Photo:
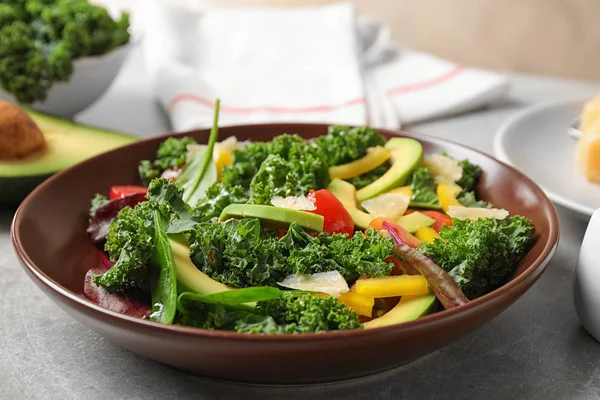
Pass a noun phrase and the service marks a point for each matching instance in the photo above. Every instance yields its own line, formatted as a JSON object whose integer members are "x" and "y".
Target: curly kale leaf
{"x": 170, "y": 154}
{"x": 468, "y": 199}
{"x": 240, "y": 253}
{"x": 291, "y": 313}
{"x": 40, "y": 40}
{"x": 424, "y": 188}
{"x": 342, "y": 144}
{"x": 482, "y": 254}
{"x": 275, "y": 177}
{"x": 302, "y": 314}
{"x": 129, "y": 243}
{"x": 246, "y": 163}
{"x": 170, "y": 198}
{"x": 470, "y": 176}
{"x": 362, "y": 255}
{"x": 301, "y": 158}
{"x": 217, "y": 197}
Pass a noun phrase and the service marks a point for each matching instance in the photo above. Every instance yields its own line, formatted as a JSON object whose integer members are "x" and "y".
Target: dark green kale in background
{"x": 40, "y": 40}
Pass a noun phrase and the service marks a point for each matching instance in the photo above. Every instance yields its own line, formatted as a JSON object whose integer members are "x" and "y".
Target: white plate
{"x": 536, "y": 142}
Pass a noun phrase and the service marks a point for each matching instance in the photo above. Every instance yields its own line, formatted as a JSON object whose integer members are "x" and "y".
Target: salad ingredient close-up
{"x": 346, "y": 231}
{"x": 40, "y": 40}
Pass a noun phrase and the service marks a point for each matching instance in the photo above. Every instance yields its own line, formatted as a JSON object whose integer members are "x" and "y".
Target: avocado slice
{"x": 345, "y": 192}
{"x": 408, "y": 309}
{"x": 412, "y": 222}
{"x": 67, "y": 143}
{"x": 276, "y": 217}
{"x": 190, "y": 278}
{"x": 373, "y": 159}
{"x": 406, "y": 155}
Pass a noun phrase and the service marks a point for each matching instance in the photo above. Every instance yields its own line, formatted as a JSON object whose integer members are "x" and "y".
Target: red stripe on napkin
{"x": 426, "y": 84}
{"x": 321, "y": 108}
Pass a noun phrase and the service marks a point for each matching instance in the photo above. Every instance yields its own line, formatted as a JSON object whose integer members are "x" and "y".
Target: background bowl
{"x": 91, "y": 77}
{"x": 51, "y": 243}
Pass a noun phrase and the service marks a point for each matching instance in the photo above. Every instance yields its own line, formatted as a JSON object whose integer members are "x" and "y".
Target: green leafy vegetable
{"x": 342, "y": 144}
{"x": 290, "y": 312}
{"x": 300, "y": 158}
{"x": 40, "y": 40}
{"x": 170, "y": 198}
{"x": 482, "y": 254}
{"x": 468, "y": 199}
{"x": 131, "y": 237}
{"x": 217, "y": 197}
{"x": 171, "y": 154}
{"x": 194, "y": 179}
{"x": 163, "y": 276}
{"x": 97, "y": 201}
{"x": 234, "y": 297}
{"x": 303, "y": 314}
{"x": 424, "y": 188}
{"x": 362, "y": 255}
{"x": 129, "y": 242}
{"x": 274, "y": 178}
{"x": 240, "y": 253}
{"x": 470, "y": 176}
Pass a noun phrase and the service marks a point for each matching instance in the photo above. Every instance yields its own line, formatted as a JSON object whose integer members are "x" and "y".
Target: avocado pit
{"x": 19, "y": 134}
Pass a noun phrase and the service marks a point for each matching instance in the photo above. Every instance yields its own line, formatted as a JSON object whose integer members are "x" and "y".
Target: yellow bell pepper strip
{"x": 392, "y": 286}
{"x": 362, "y": 305}
{"x": 447, "y": 193}
{"x": 373, "y": 159}
{"x": 222, "y": 158}
{"x": 426, "y": 234}
{"x": 407, "y": 190}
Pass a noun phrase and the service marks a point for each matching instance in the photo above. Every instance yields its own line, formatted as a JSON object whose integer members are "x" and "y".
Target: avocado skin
{"x": 13, "y": 190}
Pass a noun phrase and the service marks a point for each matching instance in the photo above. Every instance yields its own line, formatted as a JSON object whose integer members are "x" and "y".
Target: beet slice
{"x": 112, "y": 301}
{"x": 106, "y": 213}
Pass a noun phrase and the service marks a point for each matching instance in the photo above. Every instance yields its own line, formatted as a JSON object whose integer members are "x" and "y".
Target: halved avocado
{"x": 67, "y": 143}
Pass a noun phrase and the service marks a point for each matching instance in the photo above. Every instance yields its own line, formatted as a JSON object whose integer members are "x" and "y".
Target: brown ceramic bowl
{"x": 49, "y": 236}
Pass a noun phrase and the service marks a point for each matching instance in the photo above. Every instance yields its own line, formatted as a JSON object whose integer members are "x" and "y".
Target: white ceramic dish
{"x": 536, "y": 142}
{"x": 586, "y": 288}
{"x": 92, "y": 76}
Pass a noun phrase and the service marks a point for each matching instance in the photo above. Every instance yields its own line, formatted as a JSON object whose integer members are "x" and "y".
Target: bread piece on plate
{"x": 590, "y": 114}
{"x": 588, "y": 153}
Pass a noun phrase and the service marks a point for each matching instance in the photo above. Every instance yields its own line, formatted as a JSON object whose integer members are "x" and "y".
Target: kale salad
{"x": 349, "y": 230}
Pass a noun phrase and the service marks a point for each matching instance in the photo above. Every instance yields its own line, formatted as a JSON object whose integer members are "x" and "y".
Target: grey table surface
{"x": 534, "y": 350}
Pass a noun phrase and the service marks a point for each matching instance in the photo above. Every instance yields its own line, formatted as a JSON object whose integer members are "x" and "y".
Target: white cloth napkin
{"x": 311, "y": 64}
